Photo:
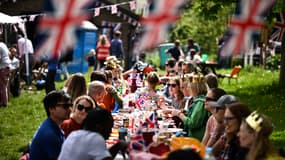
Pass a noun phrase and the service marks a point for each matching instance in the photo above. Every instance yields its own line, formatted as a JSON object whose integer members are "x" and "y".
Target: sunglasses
{"x": 80, "y": 107}
{"x": 172, "y": 84}
{"x": 65, "y": 105}
{"x": 209, "y": 99}
{"x": 226, "y": 119}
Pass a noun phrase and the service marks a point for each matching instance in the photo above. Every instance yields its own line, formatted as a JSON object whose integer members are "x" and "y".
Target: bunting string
{"x": 113, "y": 8}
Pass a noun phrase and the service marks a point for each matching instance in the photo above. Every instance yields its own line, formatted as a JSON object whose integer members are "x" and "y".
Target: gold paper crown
{"x": 193, "y": 78}
{"x": 254, "y": 120}
{"x": 197, "y": 79}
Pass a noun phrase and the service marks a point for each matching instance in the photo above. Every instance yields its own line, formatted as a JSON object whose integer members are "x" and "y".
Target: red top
{"x": 69, "y": 125}
{"x": 103, "y": 51}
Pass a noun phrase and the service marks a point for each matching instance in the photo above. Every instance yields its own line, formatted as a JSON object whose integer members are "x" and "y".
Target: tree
{"x": 210, "y": 18}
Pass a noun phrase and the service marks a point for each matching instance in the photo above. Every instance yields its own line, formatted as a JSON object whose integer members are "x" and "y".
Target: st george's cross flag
{"x": 244, "y": 24}
{"x": 157, "y": 23}
{"x": 279, "y": 28}
{"x": 59, "y": 25}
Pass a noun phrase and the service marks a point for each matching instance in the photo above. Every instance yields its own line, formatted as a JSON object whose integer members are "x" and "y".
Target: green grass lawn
{"x": 256, "y": 87}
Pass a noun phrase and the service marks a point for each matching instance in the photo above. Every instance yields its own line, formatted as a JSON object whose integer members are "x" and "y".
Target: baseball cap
{"x": 222, "y": 101}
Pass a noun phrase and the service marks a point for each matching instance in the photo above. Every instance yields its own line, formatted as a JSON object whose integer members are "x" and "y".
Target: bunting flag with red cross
{"x": 279, "y": 28}
{"x": 60, "y": 23}
{"x": 245, "y": 24}
{"x": 157, "y": 23}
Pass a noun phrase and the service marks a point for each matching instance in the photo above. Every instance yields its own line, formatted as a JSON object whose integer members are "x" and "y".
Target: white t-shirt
{"x": 21, "y": 46}
{"x": 84, "y": 145}
{"x": 4, "y": 56}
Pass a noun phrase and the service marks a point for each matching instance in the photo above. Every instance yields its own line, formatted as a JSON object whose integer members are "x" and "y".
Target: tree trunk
{"x": 282, "y": 69}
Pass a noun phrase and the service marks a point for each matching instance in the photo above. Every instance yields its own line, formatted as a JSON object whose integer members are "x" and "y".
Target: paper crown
{"x": 254, "y": 120}
{"x": 193, "y": 78}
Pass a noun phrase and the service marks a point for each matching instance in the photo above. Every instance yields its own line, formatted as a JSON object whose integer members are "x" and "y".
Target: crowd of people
{"x": 79, "y": 119}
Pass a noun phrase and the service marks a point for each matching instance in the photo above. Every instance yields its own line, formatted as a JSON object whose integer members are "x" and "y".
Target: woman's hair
{"x": 103, "y": 40}
{"x": 98, "y": 76}
{"x": 180, "y": 94}
{"x": 239, "y": 110}
{"x": 152, "y": 78}
{"x": 108, "y": 74}
{"x": 261, "y": 146}
{"x": 197, "y": 85}
{"x": 76, "y": 86}
{"x": 87, "y": 98}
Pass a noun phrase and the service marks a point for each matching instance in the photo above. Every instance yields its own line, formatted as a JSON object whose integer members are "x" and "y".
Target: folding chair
{"x": 234, "y": 74}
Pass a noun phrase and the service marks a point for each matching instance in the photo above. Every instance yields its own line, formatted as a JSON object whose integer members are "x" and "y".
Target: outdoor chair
{"x": 234, "y": 74}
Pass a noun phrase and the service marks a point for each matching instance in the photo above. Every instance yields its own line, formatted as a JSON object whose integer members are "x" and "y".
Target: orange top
{"x": 109, "y": 100}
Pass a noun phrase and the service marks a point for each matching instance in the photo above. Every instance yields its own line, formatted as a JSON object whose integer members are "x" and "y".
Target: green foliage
{"x": 236, "y": 61}
{"x": 204, "y": 27}
{"x": 273, "y": 62}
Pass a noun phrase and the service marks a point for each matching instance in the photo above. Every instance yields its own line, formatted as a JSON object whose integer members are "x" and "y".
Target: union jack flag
{"x": 156, "y": 24}
{"x": 141, "y": 99}
{"x": 60, "y": 25}
{"x": 137, "y": 141}
{"x": 151, "y": 121}
{"x": 279, "y": 28}
{"x": 245, "y": 24}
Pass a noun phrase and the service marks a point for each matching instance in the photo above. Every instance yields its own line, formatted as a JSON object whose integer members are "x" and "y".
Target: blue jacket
{"x": 47, "y": 141}
{"x": 116, "y": 48}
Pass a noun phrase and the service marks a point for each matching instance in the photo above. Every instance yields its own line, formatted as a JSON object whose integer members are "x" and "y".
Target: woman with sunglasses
{"x": 228, "y": 146}
{"x": 176, "y": 95}
{"x": 81, "y": 106}
{"x": 196, "y": 116}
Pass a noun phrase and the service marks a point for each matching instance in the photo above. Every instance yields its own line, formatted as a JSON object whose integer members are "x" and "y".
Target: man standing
{"x": 4, "y": 72}
{"x": 26, "y": 53}
{"x": 116, "y": 48}
{"x": 48, "y": 139}
{"x": 176, "y": 51}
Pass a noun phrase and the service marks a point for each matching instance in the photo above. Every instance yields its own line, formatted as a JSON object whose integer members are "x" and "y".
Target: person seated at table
{"x": 176, "y": 95}
{"x": 112, "y": 95}
{"x": 81, "y": 106}
{"x": 212, "y": 80}
{"x": 196, "y": 117}
{"x": 179, "y": 65}
{"x": 214, "y": 127}
{"x": 228, "y": 147}
{"x": 170, "y": 67}
{"x": 76, "y": 86}
{"x": 90, "y": 142}
{"x": 96, "y": 90}
{"x": 254, "y": 135}
{"x": 188, "y": 68}
{"x": 48, "y": 139}
{"x": 196, "y": 57}
{"x": 149, "y": 90}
